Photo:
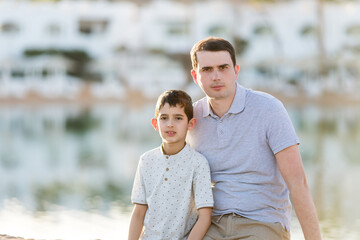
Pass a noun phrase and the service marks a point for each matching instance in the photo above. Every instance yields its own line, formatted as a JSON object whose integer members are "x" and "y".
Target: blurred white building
{"x": 120, "y": 38}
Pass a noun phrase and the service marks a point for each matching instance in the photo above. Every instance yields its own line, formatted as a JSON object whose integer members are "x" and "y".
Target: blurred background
{"x": 79, "y": 81}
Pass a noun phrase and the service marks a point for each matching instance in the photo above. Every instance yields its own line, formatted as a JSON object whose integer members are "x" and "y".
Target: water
{"x": 66, "y": 171}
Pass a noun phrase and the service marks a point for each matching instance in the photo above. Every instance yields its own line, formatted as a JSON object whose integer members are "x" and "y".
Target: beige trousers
{"x": 232, "y": 227}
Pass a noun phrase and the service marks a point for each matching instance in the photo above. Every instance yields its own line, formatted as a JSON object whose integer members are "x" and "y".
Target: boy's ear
{"x": 155, "y": 124}
{"x": 192, "y": 124}
{"x": 194, "y": 75}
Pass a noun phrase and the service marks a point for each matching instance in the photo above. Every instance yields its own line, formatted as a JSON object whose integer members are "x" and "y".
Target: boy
{"x": 172, "y": 188}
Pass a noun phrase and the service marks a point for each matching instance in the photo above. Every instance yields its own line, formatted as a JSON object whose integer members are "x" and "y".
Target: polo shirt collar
{"x": 179, "y": 154}
{"x": 237, "y": 105}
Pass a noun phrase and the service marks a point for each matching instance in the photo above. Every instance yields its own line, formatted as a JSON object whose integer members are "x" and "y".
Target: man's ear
{"x": 155, "y": 124}
{"x": 194, "y": 75}
{"x": 192, "y": 124}
{"x": 236, "y": 68}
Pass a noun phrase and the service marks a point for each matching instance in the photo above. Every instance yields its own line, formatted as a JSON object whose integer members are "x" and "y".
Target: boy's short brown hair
{"x": 213, "y": 44}
{"x": 174, "y": 98}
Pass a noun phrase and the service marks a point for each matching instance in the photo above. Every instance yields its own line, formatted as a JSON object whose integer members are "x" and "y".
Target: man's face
{"x": 215, "y": 74}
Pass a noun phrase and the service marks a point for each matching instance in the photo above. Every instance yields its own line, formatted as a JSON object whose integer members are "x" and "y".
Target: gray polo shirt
{"x": 240, "y": 148}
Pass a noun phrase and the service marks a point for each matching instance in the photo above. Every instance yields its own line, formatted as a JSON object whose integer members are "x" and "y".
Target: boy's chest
{"x": 169, "y": 175}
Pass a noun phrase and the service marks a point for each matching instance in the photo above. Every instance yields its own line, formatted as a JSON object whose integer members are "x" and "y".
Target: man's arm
{"x": 292, "y": 170}
{"x": 202, "y": 224}
{"x": 137, "y": 221}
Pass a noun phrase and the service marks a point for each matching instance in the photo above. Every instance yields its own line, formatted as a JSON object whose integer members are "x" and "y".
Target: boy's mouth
{"x": 170, "y": 133}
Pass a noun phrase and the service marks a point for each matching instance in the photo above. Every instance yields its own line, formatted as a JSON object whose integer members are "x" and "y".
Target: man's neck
{"x": 221, "y": 106}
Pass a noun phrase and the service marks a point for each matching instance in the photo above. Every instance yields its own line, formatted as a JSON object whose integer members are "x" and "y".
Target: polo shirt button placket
{"x": 167, "y": 169}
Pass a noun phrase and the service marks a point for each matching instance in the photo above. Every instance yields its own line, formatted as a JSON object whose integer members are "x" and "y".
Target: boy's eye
{"x": 179, "y": 118}
{"x": 163, "y": 118}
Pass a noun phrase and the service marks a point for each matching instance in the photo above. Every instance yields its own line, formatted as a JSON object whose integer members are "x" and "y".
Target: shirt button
{"x": 167, "y": 169}
{"x": 165, "y": 179}
{"x": 167, "y": 157}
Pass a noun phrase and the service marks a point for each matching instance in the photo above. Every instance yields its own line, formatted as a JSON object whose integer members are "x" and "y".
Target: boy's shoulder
{"x": 197, "y": 156}
{"x": 155, "y": 152}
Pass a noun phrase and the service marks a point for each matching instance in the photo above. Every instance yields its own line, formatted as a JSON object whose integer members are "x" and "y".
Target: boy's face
{"x": 172, "y": 124}
{"x": 215, "y": 74}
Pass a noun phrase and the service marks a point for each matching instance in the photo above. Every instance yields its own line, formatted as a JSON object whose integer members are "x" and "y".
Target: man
{"x": 252, "y": 150}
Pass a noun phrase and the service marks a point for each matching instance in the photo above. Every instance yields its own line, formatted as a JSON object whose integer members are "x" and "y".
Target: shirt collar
{"x": 237, "y": 105}
{"x": 179, "y": 154}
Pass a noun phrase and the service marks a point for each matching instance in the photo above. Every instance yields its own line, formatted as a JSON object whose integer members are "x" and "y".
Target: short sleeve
{"x": 138, "y": 194}
{"x": 202, "y": 185}
{"x": 280, "y": 130}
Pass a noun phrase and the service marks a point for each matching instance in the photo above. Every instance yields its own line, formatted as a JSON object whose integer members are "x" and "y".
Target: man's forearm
{"x": 306, "y": 212}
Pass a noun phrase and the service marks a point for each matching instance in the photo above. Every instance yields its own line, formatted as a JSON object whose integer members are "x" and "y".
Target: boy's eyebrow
{"x": 176, "y": 114}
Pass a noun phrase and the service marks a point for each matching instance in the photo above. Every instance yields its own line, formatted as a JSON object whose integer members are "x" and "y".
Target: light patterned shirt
{"x": 173, "y": 187}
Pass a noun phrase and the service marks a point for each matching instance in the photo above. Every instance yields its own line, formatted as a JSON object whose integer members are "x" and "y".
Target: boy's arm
{"x": 202, "y": 224}
{"x": 292, "y": 170}
{"x": 137, "y": 221}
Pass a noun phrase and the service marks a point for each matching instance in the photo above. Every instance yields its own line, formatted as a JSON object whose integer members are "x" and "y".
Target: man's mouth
{"x": 217, "y": 87}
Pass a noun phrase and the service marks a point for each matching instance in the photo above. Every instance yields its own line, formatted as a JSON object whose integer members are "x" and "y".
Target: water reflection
{"x": 71, "y": 155}
{"x": 84, "y": 159}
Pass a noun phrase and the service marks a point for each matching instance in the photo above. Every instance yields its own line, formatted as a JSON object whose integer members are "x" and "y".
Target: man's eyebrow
{"x": 207, "y": 67}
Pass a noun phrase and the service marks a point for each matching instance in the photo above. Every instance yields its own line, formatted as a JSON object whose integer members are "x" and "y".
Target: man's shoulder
{"x": 261, "y": 99}
{"x": 200, "y": 103}
{"x": 260, "y": 95}
{"x": 199, "y": 106}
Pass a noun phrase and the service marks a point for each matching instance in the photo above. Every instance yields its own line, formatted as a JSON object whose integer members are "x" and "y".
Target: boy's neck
{"x": 172, "y": 148}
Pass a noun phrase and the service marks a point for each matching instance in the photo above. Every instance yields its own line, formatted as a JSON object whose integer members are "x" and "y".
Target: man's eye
{"x": 223, "y": 67}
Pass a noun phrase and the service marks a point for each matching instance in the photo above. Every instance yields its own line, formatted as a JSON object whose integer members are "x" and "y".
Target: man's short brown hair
{"x": 174, "y": 98}
{"x": 212, "y": 44}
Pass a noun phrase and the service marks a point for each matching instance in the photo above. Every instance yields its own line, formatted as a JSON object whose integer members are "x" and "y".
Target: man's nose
{"x": 216, "y": 75}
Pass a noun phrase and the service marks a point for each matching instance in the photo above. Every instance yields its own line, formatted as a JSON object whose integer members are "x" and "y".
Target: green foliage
{"x": 75, "y": 55}
{"x": 82, "y": 123}
{"x": 79, "y": 59}
{"x": 216, "y": 30}
{"x": 240, "y": 45}
{"x": 353, "y": 30}
{"x": 51, "y": 193}
{"x": 308, "y": 30}
{"x": 262, "y": 30}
